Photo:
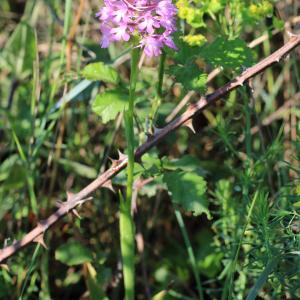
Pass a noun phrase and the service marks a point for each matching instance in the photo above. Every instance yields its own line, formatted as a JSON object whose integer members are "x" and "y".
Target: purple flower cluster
{"x": 153, "y": 21}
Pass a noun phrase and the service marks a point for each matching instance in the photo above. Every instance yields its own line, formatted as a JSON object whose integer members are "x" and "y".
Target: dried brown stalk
{"x": 185, "y": 119}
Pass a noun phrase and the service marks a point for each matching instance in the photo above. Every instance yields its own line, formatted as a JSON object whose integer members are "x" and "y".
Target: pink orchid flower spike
{"x": 153, "y": 21}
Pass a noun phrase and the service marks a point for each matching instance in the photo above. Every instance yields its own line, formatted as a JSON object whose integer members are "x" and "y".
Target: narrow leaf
{"x": 262, "y": 279}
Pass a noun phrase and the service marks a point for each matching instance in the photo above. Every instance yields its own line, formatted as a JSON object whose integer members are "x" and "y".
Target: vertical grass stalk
{"x": 30, "y": 270}
{"x": 127, "y": 235}
{"x": 228, "y": 289}
{"x": 190, "y": 252}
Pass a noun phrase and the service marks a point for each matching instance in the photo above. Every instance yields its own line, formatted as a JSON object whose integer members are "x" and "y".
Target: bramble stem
{"x": 189, "y": 113}
{"x": 127, "y": 235}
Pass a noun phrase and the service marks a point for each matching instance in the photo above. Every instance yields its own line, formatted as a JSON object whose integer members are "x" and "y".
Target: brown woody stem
{"x": 119, "y": 165}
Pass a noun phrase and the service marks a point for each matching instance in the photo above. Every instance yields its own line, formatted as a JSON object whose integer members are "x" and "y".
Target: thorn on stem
{"x": 122, "y": 156}
{"x": 114, "y": 162}
{"x": 189, "y": 124}
{"x": 82, "y": 201}
{"x": 60, "y": 203}
{"x": 6, "y": 241}
{"x": 240, "y": 82}
{"x": 277, "y": 59}
{"x": 40, "y": 240}
{"x": 108, "y": 185}
{"x": 76, "y": 214}
{"x": 286, "y": 57}
{"x": 290, "y": 34}
{"x": 70, "y": 195}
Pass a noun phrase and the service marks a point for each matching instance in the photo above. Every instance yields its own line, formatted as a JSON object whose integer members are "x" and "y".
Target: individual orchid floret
{"x": 106, "y": 36}
{"x": 148, "y": 24}
{"x": 152, "y": 21}
{"x": 152, "y": 45}
{"x": 120, "y": 33}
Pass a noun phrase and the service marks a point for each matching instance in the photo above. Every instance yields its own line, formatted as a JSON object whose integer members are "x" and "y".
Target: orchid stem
{"x": 159, "y": 93}
{"x": 161, "y": 72}
{"x": 127, "y": 230}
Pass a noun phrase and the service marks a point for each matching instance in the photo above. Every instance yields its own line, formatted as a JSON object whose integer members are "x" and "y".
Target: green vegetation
{"x": 216, "y": 211}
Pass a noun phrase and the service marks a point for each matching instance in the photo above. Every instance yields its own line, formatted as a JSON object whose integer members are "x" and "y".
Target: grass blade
{"x": 262, "y": 279}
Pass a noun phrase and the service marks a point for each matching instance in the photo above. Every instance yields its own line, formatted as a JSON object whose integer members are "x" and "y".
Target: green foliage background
{"x": 216, "y": 211}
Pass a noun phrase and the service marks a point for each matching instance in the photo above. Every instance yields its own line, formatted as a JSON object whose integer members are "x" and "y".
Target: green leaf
{"x": 151, "y": 165}
{"x": 109, "y": 104}
{"x": 73, "y": 253}
{"x": 187, "y": 190}
{"x": 224, "y": 53}
{"x": 101, "y": 72}
{"x": 190, "y": 76}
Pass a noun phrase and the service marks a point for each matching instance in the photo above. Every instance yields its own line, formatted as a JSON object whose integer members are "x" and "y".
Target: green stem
{"x": 161, "y": 74}
{"x": 190, "y": 252}
{"x": 127, "y": 235}
{"x": 157, "y": 100}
